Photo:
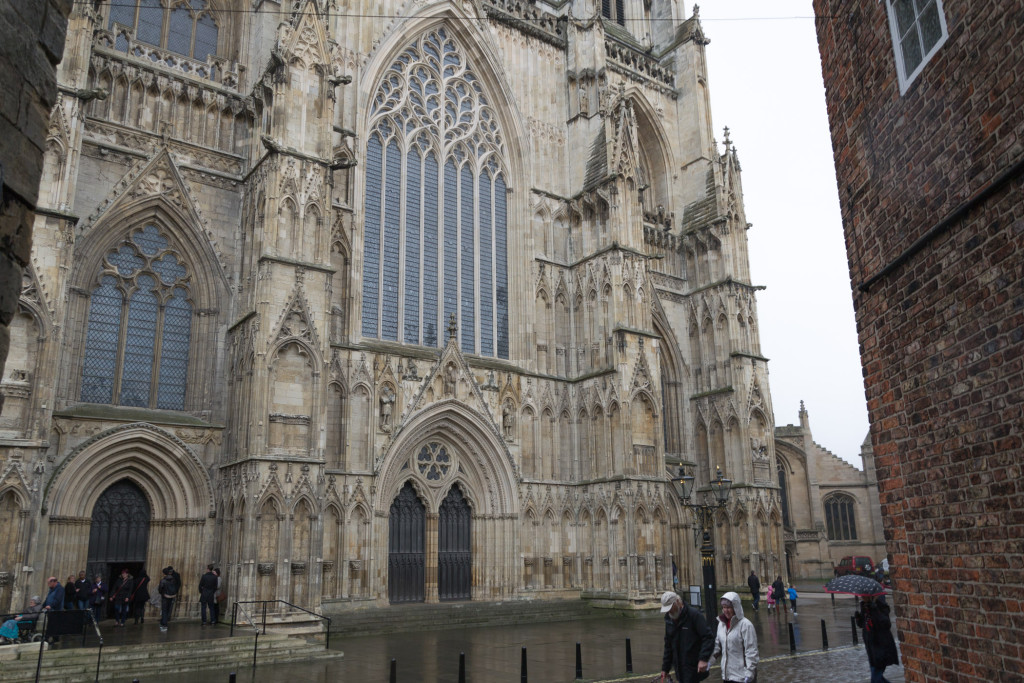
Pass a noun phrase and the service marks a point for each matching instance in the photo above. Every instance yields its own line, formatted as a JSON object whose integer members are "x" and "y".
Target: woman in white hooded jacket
{"x": 736, "y": 642}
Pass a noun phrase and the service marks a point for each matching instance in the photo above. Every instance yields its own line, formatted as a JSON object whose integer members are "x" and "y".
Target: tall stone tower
{"x": 418, "y": 306}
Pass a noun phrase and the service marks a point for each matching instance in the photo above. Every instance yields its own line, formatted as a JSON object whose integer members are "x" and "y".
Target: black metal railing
{"x": 263, "y": 608}
{"x": 252, "y": 622}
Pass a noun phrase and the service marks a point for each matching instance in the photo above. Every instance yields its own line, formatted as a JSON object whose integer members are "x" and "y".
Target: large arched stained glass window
{"x": 839, "y": 517}
{"x": 140, "y": 327}
{"x": 436, "y": 212}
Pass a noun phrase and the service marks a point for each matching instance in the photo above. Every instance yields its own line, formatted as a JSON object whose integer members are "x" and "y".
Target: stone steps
{"x": 130, "y": 661}
{"x": 417, "y": 616}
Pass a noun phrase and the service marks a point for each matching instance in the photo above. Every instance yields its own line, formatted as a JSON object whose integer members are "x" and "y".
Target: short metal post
{"x": 232, "y": 677}
{"x": 833, "y": 596}
{"x": 629, "y": 657}
{"x": 462, "y": 667}
{"x": 394, "y": 671}
{"x": 853, "y": 626}
{"x": 579, "y": 662}
{"x": 522, "y": 667}
{"x": 792, "y": 639}
{"x": 824, "y": 636}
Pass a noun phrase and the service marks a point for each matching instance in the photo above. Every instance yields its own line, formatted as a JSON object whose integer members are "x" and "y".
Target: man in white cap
{"x": 688, "y": 640}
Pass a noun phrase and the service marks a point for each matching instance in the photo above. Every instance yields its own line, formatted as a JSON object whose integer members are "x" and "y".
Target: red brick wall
{"x": 942, "y": 332}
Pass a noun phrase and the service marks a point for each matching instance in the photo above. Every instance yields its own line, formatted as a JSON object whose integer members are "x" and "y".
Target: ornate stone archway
{"x": 481, "y": 468}
{"x": 174, "y": 481}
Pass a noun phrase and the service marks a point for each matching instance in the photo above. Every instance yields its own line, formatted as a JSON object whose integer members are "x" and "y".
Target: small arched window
{"x": 839, "y": 517}
{"x": 139, "y": 328}
{"x": 185, "y": 27}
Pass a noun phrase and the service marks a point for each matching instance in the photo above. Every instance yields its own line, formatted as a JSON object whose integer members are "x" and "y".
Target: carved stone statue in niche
{"x": 387, "y": 404}
{"x": 584, "y": 100}
{"x": 450, "y": 377}
{"x": 508, "y": 421}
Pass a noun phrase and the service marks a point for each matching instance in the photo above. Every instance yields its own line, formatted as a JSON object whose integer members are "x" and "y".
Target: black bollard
{"x": 853, "y": 626}
{"x": 394, "y": 670}
{"x": 522, "y": 667}
{"x": 833, "y": 599}
{"x": 462, "y": 666}
{"x": 629, "y": 657}
{"x": 231, "y": 677}
{"x": 579, "y": 662}
{"x": 792, "y": 639}
{"x": 824, "y": 636}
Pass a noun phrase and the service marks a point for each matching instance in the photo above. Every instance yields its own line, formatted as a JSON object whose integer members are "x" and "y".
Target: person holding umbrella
{"x": 873, "y": 619}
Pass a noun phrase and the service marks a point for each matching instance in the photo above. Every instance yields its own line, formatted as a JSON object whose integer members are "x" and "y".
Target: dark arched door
{"x": 406, "y": 531}
{"x": 119, "y": 534}
{"x": 454, "y": 554}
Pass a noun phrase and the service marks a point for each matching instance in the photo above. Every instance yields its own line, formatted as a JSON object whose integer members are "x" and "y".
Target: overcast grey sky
{"x": 765, "y": 84}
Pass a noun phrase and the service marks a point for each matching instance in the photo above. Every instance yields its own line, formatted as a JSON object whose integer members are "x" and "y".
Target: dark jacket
{"x": 873, "y": 619}
{"x": 122, "y": 588}
{"x": 55, "y": 598}
{"x": 168, "y": 587}
{"x": 100, "y": 595}
{"x": 754, "y": 583}
{"x": 780, "y": 590}
{"x": 140, "y": 594}
{"x": 207, "y": 586}
{"x": 688, "y": 640}
{"x": 83, "y": 589}
{"x": 69, "y": 595}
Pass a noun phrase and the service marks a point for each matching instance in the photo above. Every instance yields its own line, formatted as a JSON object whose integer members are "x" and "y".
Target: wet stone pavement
{"x": 493, "y": 653}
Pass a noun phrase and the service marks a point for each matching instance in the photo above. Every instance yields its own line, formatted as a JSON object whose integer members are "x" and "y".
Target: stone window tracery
{"x": 139, "y": 327}
{"x": 185, "y": 27}
{"x": 435, "y": 204}
{"x": 840, "y": 519}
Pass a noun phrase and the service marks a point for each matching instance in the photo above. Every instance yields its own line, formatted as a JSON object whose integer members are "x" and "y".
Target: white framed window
{"x": 918, "y": 31}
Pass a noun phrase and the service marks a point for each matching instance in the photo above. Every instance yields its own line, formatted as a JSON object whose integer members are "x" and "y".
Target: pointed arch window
{"x": 139, "y": 329}
{"x": 840, "y": 519}
{"x": 436, "y": 207}
{"x": 185, "y": 27}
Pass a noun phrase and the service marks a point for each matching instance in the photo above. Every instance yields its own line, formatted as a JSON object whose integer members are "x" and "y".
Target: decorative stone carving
{"x": 328, "y": 567}
{"x": 387, "y": 404}
{"x": 266, "y": 568}
{"x": 298, "y": 568}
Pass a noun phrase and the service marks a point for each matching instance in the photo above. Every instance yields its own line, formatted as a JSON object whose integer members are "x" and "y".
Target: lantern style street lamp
{"x": 704, "y": 511}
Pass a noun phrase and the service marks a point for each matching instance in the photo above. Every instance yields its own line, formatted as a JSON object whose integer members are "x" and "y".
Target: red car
{"x": 854, "y": 564}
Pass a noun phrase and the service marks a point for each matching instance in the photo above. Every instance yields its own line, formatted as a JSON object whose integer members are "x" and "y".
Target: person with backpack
{"x": 168, "y": 588}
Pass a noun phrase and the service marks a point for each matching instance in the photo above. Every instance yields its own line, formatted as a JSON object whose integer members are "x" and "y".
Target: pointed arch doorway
{"x": 454, "y": 550}
{"x": 119, "y": 533}
{"x": 406, "y": 543}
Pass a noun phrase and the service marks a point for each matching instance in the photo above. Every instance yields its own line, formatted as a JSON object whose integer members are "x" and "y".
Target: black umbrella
{"x": 855, "y": 584}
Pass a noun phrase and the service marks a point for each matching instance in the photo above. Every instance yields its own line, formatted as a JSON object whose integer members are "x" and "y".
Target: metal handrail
{"x": 264, "y": 603}
{"x": 99, "y": 654}
{"x": 252, "y": 622}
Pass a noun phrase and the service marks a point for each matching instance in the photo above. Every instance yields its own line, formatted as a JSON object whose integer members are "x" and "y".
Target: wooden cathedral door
{"x": 454, "y": 554}
{"x": 406, "y": 531}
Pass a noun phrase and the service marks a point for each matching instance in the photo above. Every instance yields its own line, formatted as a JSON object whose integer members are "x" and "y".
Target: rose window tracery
{"x": 434, "y": 462}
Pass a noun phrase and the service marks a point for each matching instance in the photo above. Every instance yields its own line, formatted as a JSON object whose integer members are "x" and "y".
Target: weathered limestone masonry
{"x": 33, "y": 41}
{"x": 418, "y": 306}
{"x": 931, "y": 183}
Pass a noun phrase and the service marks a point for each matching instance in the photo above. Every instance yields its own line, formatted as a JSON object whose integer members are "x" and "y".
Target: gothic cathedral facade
{"x": 369, "y": 304}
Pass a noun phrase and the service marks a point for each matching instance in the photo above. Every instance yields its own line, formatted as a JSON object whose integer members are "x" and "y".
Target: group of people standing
{"x": 777, "y": 593}
{"x": 129, "y": 596}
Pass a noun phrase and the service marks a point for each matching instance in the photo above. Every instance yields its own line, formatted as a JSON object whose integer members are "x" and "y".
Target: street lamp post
{"x": 705, "y": 513}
